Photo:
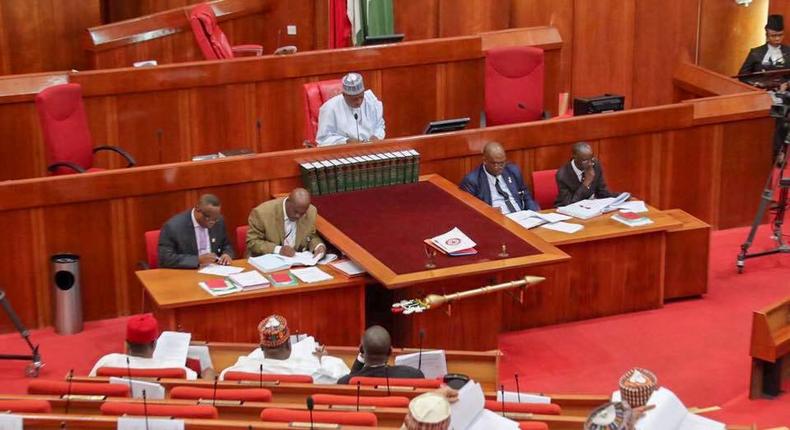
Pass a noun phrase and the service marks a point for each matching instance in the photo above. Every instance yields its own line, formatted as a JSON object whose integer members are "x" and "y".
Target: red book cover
{"x": 629, "y": 215}
{"x": 216, "y": 284}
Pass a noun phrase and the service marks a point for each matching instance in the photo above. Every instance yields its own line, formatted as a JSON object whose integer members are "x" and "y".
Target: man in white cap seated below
{"x": 430, "y": 411}
{"x": 278, "y": 356}
{"x": 353, "y": 116}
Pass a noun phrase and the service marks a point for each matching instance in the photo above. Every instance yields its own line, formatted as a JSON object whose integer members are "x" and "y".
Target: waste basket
{"x": 66, "y": 292}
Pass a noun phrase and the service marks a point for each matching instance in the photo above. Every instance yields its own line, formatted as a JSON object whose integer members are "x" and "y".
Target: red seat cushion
{"x": 544, "y": 183}
{"x": 513, "y": 84}
{"x": 159, "y": 410}
{"x": 528, "y": 408}
{"x": 152, "y": 248}
{"x": 385, "y": 401}
{"x": 241, "y": 240}
{"x": 248, "y": 376}
{"x": 43, "y": 386}
{"x": 64, "y": 126}
{"x": 315, "y": 95}
{"x": 247, "y": 394}
{"x": 121, "y": 372}
{"x": 30, "y": 406}
{"x": 396, "y": 382}
{"x": 533, "y": 425}
{"x": 366, "y": 419}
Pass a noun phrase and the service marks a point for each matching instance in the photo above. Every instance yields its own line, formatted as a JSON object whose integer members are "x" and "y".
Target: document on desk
{"x": 432, "y": 364}
{"x": 586, "y": 209}
{"x": 220, "y": 270}
{"x": 310, "y": 275}
{"x": 268, "y": 263}
{"x": 635, "y": 206}
{"x": 149, "y": 423}
{"x": 153, "y": 391}
{"x": 468, "y": 413}
{"x": 172, "y": 347}
{"x": 564, "y": 227}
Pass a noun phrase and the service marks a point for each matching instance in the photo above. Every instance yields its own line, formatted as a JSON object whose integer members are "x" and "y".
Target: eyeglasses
{"x": 207, "y": 217}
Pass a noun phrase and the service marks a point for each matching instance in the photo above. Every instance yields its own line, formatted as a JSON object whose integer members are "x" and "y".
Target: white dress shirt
{"x": 289, "y": 227}
{"x": 336, "y": 122}
{"x": 773, "y": 55}
{"x": 119, "y": 360}
{"x": 497, "y": 200}
{"x": 201, "y": 236}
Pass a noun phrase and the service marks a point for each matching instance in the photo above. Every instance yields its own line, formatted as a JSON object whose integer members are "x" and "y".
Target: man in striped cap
{"x": 353, "y": 116}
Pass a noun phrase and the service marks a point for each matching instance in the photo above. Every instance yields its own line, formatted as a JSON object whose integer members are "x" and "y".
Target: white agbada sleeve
{"x": 378, "y": 127}
{"x": 328, "y": 132}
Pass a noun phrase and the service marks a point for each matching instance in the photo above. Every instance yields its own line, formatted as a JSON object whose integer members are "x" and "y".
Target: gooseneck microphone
{"x": 419, "y": 356}
{"x": 145, "y": 409}
{"x": 68, "y": 393}
{"x": 260, "y": 376}
{"x": 518, "y": 390}
{"x": 356, "y": 121}
{"x": 502, "y": 390}
{"x": 359, "y": 384}
{"x": 129, "y": 375}
{"x": 310, "y": 406}
{"x": 214, "y": 394}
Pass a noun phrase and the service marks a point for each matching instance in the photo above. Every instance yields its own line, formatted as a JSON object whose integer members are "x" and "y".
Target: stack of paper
{"x": 433, "y": 363}
{"x": 587, "y": 209}
{"x": 219, "y": 287}
{"x": 219, "y": 270}
{"x": 250, "y": 280}
{"x": 283, "y": 279}
{"x": 631, "y": 219}
{"x": 309, "y": 275}
{"x": 529, "y": 219}
{"x": 454, "y": 243}
{"x": 268, "y": 263}
{"x": 564, "y": 227}
{"x": 348, "y": 267}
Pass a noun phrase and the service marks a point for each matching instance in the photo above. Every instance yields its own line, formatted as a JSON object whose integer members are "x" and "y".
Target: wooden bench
{"x": 770, "y": 346}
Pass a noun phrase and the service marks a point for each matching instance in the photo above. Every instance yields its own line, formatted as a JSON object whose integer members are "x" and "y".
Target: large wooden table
{"x": 333, "y": 311}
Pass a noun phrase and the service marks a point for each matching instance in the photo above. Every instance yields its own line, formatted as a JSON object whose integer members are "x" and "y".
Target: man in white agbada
{"x": 353, "y": 116}
{"x": 278, "y": 356}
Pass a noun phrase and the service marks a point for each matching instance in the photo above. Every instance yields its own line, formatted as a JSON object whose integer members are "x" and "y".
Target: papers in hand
{"x": 220, "y": 270}
{"x": 433, "y": 363}
{"x": 153, "y": 391}
{"x": 671, "y": 414}
{"x": 274, "y": 262}
{"x": 172, "y": 347}
{"x": 586, "y": 209}
{"x": 310, "y": 275}
{"x": 453, "y": 242}
{"x": 468, "y": 412}
{"x": 200, "y": 353}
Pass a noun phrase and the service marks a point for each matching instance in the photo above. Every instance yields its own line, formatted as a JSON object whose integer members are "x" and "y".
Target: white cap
{"x": 353, "y": 84}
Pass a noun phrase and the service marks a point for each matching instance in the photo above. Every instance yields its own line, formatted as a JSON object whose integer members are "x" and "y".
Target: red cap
{"x": 142, "y": 329}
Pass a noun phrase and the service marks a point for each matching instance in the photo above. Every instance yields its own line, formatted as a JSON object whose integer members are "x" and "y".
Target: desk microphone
{"x": 145, "y": 409}
{"x": 310, "y": 406}
{"x": 260, "y": 376}
{"x": 214, "y": 394}
{"x": 419, "y": 356}
{"x": 68, "y": 393}
{"x": 359, "y": 384}
{"x": 518, "y": 390}
{"x": 387, "y": 377}
{"x": 356, "y": 121}
{"x": 129, "y": 374}
{"x": 502, "y": 390}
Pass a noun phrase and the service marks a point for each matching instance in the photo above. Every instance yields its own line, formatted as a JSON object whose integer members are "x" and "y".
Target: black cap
{"x": 775, "y": 23}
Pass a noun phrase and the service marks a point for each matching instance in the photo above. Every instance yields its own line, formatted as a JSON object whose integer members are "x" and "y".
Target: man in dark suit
{"x": 772, "y": 54}
{"x": 372, "y": 362}
{"x": 195, "y": 237}
{"x": 499, "y": 183}
{"x": 581, "y": 178}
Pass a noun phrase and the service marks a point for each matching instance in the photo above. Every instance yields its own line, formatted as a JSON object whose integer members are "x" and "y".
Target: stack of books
{"x": 238, "y": 282}
{"x": 631, "y": 219}
{"x": 453, "y": 243}
{"x": 359, "y": 172}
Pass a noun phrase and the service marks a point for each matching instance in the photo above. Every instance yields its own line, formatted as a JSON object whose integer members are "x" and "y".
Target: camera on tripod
{"x": 781, "y": 106}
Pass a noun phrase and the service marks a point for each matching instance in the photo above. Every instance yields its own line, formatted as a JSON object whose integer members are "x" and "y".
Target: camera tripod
{"x": 35, "y": 365}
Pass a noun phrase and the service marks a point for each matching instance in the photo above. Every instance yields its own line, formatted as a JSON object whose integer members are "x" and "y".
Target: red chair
{"x": 246, "y": 394}
{"x": 382, "y": 402}
{"x": 26, "y": 406}
{"x": 67, "y": 138}
{"x": 315, "y": 95}
{"x": 396, "y": 382}
{"x": 241, "y": 240}
{"x": 249, "y": 376}
{"x": 365, "y": 419}
{"x": 533, "y": 425}
{"x": 544, "y": 184}
{"x": 152, "y": 249}
{"x": 526, "y": 408}
{"x": 513, "y": 85}
{"x": 59, "y": 388}
{"x": 122, "y": 372}
{"x": 212, "y": 39}
{"x": 159, "y": 410}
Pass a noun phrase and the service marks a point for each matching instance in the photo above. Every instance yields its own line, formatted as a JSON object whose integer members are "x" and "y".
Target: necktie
{"x": 504, "y": 195}
{"x": 202, "y": 239}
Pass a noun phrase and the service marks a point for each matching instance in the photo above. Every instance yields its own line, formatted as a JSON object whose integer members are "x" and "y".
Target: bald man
{"x": 581, "y": 178}
{"x": 372, "y": 361}
{"x": 284, "y": 226}
{"x": 195, "y": 237}
{"x": 499, "y": 183}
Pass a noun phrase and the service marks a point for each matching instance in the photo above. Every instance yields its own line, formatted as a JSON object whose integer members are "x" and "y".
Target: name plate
{"x": 299, "y": 425}
{"x": 89, "y": 397}
{"x": 219, "y": 402}
{"x": 391, "y": 388}
{"x": 260, "y": 384}
{"x": 352, "y": 407}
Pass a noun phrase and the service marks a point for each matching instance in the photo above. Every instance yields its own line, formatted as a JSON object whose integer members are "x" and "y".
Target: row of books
{"x": 359, "y": 172}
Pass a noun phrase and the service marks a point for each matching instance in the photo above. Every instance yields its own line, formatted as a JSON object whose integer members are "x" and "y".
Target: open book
{"x": 268, "y": 263}
{"x": 469, "y": 412}
{"x": 586, "y": 209}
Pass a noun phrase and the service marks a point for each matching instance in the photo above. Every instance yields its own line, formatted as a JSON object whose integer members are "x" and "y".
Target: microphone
{"x": 145, "y": 409}
{"x": 358, "y": 388}
{"x": 214, "y": 394}
{"x": 518, "y": 390}
{"x": 502, "y": 390}
{"x": 310, "y": 406}
{"x": 419, "y": 356}
{"x": 387, "y": 377}
{"x": 68, "y": 393}
{"x": 129, "y": 375}
{"x": 356, "y": 121}
{"x": 260, "y": 376}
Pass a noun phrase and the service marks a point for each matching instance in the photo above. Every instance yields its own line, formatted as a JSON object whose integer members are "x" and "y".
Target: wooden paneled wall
{"x": 728, "y": 31}
{"x": 172, "y": 113}
{"x": 699, "y": 155}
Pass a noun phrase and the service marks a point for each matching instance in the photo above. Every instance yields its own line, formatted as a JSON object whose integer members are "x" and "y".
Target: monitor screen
{"x": 446, "y": 125}
{"x": 383, "y": 39}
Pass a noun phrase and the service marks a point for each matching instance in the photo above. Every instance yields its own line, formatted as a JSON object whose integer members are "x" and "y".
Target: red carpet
{"x": 698, "y": 348}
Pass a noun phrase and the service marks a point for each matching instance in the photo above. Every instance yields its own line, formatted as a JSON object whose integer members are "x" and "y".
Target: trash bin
{"x": 66, "y": 292}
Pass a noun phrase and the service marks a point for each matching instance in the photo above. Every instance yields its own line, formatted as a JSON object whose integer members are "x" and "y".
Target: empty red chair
{"x": 396, "y": 382}
{"x": 513, "y": 85}
{"x": 249, "y": 376}
{"x": 246, "y": 394}
{"x": 380, "y": 401}
{"x": 241, "y": 240}
{"x": 152, "y": 249}
{"x": 26, "y": 406}
{"x": 212, "y": 40}
{"x": 533, "y": 425}
{"x": 526, "y": 408}
{"x": 365, "y": 419}
{"x": 67, "y": 138}
{"x": 122, "y": 372}
{"x": 544, "y": 185}
{"x": 159, "y": 410}
{"x": 58, "y": 388}
{"x": 315, "y": 95}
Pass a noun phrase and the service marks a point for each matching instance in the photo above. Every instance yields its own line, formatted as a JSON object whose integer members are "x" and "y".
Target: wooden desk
{"x": 180, "y": 304}
{"x": 770, "y": 348}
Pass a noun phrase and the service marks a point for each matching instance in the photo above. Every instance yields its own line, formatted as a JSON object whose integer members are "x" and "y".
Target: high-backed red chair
{"x": 396, "y": 382}
{"x": 241, "y": 240}
{"x": 250, "y": 376}
{"x": 159, "y": 410}
{"x": 246, "y": 394}
{"x": 315, "y": 95}
{"x": 544, "y": 185}
{"x": 380, "y": 401}
{"x": 67, "y": 138}
{"x": 513, "y": 85}
{"x": 365, "y": 419}
{"x": 57, "y": 388}
{"x": 525, "y": 408}
{"x": 152, "y": 249}
{"x": 29, "y": 406}
{"x": 122, "y": 372}
{"x": 212, "y": 40}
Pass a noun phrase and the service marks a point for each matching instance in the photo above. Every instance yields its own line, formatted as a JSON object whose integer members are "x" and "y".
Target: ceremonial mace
{"x": 433, "y": 301}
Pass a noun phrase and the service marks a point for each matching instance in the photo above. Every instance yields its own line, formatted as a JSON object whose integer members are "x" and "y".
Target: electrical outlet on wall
{"x": 291, "y": 30}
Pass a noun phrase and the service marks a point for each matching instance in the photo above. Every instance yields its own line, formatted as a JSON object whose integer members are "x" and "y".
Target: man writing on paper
{"x": 353, "y": 116}
{"x": 499, "y": 183}
{"x": 581, "y": 178}
{"x": 278, "y": 356}
{"x": 284, "y": 226}
{"x": 195, "y": 237}
{"x": 372, "y": 361}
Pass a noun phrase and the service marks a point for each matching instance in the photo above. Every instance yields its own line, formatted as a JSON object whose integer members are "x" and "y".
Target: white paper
{"x": 328, "y": 258}
{"x": 134, "y": 423}
{"x": 220, "y": 270}
{"x": 268, "y": 263}
{"x": 309, "y": 275}
{"x": 200, "y": 352}
{"x": 564, "y": 227}
{"x": 636, "y": 206}
{"x": 527, "y": 219}
{"x": 10, "y": 422}
{"x": 348, "y": 267}
{"x": 471, "y": 402}
{"x": 487, "y": 420}
{"x": 513, "y": 397}
{"x": 453, "y": 241}
{"x": 248, "y": 279}
{"x": 586, "y": 209}
{"x": 433, "y": 364}
{"x": 670, "y": 414}
{"x": 153, "y": 391}
{"x": 552, "y": 216}
{"x": 172, "y": 347}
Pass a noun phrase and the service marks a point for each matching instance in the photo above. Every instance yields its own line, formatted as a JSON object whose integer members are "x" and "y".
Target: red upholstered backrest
{"x": 209, "y": 35}
{"x": 241, "y": 240}
{"x": 152, "y": 248}
{"x": 247, "y": 394}
{"x": 30, "y": 406}
{"x": 533, "y": 425}
{"x": 396, "y": 382}
{"x": 43, "y": 386}
{"x": 64, "y": 126}
{"x": 315, "y": 95}
{"x": 249, "y": 376}
{"x": 544, "y": 184}
{"x": 513, "y": 84}
{"x": 366, "y": 419}
{"x": 532, "y": 408}
{"x": 387, "y": 401}
{"x": 167, "y": 372}
{"x": 159, "y": 410}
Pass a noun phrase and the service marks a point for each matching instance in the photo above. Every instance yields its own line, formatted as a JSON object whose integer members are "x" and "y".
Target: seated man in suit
{"x": 498, "y": 182}
{"x": 195, "y": 237}
{"x": 772, "y": 54}
{"x": 277, "y": 356}
{"x": 353, "y": 116}
{"x": 372, "y": 361}
{"x": 581, "y": 178}
{"x": 284, "y": 226}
